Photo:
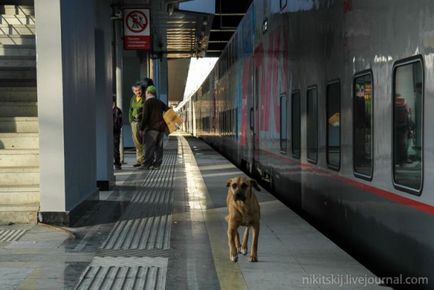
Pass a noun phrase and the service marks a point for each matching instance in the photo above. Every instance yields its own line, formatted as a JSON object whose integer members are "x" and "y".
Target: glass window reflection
{"x": 407, "y": 125}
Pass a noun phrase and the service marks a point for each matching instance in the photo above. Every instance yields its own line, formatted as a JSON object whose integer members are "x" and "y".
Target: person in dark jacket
{"x": 117, "y": 127}
{"x": 153, "y": 128}
{"x": 146, "y": 82}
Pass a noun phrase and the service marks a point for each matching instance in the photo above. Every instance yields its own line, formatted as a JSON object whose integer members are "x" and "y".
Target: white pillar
{"x": 65, "y": 46}
{"x": 50, "y": 105}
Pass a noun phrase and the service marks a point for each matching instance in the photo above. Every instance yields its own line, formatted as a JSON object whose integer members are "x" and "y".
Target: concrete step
{"x": 25, "y": 158}
{"x": 26, "y": 213}
{"x": 19, "y": 204}
{"x": 24, "y": 194}
{"x": 17, "y": 73}
{"x": 19, "y": 141}
{"x": 17, "y": 39}
{"x": 19, "y": 10}
{"x": 19, "y": 125}
{"x": 17, "y": 89}
{"x": 18, "y": 109}
{"x": 18, "y": 50}
{"x": 17, "y": 82}
{"x": 18, "y": 61}
{"x": 12, "y": 176}
{"x": 17, "y": 29}
{"x": 17, "y": 19}
{"x": 21, "y": 214}
{"x": 18, "y": 94}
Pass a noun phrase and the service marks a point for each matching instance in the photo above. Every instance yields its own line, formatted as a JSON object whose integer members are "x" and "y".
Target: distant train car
{"x": 329, "y": 102}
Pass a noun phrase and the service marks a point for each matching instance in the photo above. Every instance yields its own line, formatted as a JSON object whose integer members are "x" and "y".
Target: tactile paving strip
{"x": 11, "y": 235}
{"x": 147, "y": 221}
{"x": 133, "y": 253}
{"x": 124, "y": 273}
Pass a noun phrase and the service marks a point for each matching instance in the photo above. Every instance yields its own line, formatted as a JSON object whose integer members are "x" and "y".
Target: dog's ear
{"x": 254, "y": 184}
{"x": 228, "y": 183}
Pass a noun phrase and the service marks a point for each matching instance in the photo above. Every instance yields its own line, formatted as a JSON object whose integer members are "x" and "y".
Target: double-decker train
{"x": 329, "y": 101}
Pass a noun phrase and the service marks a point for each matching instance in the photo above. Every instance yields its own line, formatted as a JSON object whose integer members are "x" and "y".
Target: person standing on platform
{"x": 146, "y": 83}
{"x": 117, "y": 127}
{"x": 153, "y": 128}
{"x": 135, "y": 117}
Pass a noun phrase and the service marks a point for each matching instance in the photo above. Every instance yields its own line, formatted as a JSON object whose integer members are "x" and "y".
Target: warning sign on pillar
{"x": 137, "y": 34}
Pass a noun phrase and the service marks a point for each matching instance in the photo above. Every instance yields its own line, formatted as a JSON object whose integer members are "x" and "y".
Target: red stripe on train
{"x": 426, "y": 208}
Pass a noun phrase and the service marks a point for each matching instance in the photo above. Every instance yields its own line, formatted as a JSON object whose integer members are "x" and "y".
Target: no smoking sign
{"x": 136, "y": 21}
{"x": 136, "y": 29}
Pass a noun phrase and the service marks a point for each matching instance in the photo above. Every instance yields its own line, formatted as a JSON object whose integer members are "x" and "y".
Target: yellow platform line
{"x": 228, "y": 273}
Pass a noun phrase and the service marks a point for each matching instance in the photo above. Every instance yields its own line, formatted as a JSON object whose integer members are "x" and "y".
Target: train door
{"x": 254, "y": 115}
{"x": 248, "y": 82}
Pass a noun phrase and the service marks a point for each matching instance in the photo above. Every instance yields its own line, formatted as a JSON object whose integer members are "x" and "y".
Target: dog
{"x": 243, "y": 210}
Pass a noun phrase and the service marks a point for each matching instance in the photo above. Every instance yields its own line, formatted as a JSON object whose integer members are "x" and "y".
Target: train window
{"x": 296, "y": 124}
{"x": 229, "y": 118}
{"x": 256, "y": 98}
{"x": 407, "y": 124}
{"x": 231, "y": 122}
{"x": 231, "y": 112}
{"x": 362, "y": 125}
{"x": 225, "y": 116}
{"x": 222, "y": 123}
{"x": 283, "y": 124}
{"x": 312, "y": 124}
{"x": 236, "y": 132}
{"x": 333, "y": 108}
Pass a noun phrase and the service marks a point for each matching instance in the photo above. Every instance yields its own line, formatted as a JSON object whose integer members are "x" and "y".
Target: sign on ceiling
{"x": 137, "y": 32}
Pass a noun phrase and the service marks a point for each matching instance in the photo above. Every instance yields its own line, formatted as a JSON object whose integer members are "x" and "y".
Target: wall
{"x": 177, "y": 78}
{"x": 78, "y": 49}
{"x": 160, "y": 78}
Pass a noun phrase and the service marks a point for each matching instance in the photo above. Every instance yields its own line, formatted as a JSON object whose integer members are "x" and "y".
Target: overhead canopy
{"x": 226, "y": 19}
{"x": 180, "y": 34}
{"x": 186, "y": 29}
{"x": 195, "y": 28}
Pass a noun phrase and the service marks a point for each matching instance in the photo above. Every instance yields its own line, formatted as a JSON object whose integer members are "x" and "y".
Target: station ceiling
{"x": 180, "y": 34}
{"x": 226, "y": 19}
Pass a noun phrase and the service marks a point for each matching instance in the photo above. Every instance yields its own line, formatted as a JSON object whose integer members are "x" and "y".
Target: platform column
{"x": 104, "y": 95}
{"x": 65, "y": 45}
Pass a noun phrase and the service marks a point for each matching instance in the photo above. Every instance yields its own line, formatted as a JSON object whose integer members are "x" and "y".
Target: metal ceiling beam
{"x": 223, "y": 30}
{"x": 230, "y": 14}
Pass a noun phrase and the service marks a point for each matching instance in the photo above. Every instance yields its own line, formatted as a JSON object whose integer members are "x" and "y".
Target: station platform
{"x": 166, "y": 229}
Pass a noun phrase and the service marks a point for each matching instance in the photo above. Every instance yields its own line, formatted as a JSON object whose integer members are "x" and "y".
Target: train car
{"x": 328, "y": 102}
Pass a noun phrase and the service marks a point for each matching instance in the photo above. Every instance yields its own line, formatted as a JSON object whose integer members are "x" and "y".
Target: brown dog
{"x": 243, "y": 210}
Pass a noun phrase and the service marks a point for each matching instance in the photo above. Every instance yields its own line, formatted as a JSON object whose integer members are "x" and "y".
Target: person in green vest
{"x": 135, "y": 117}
